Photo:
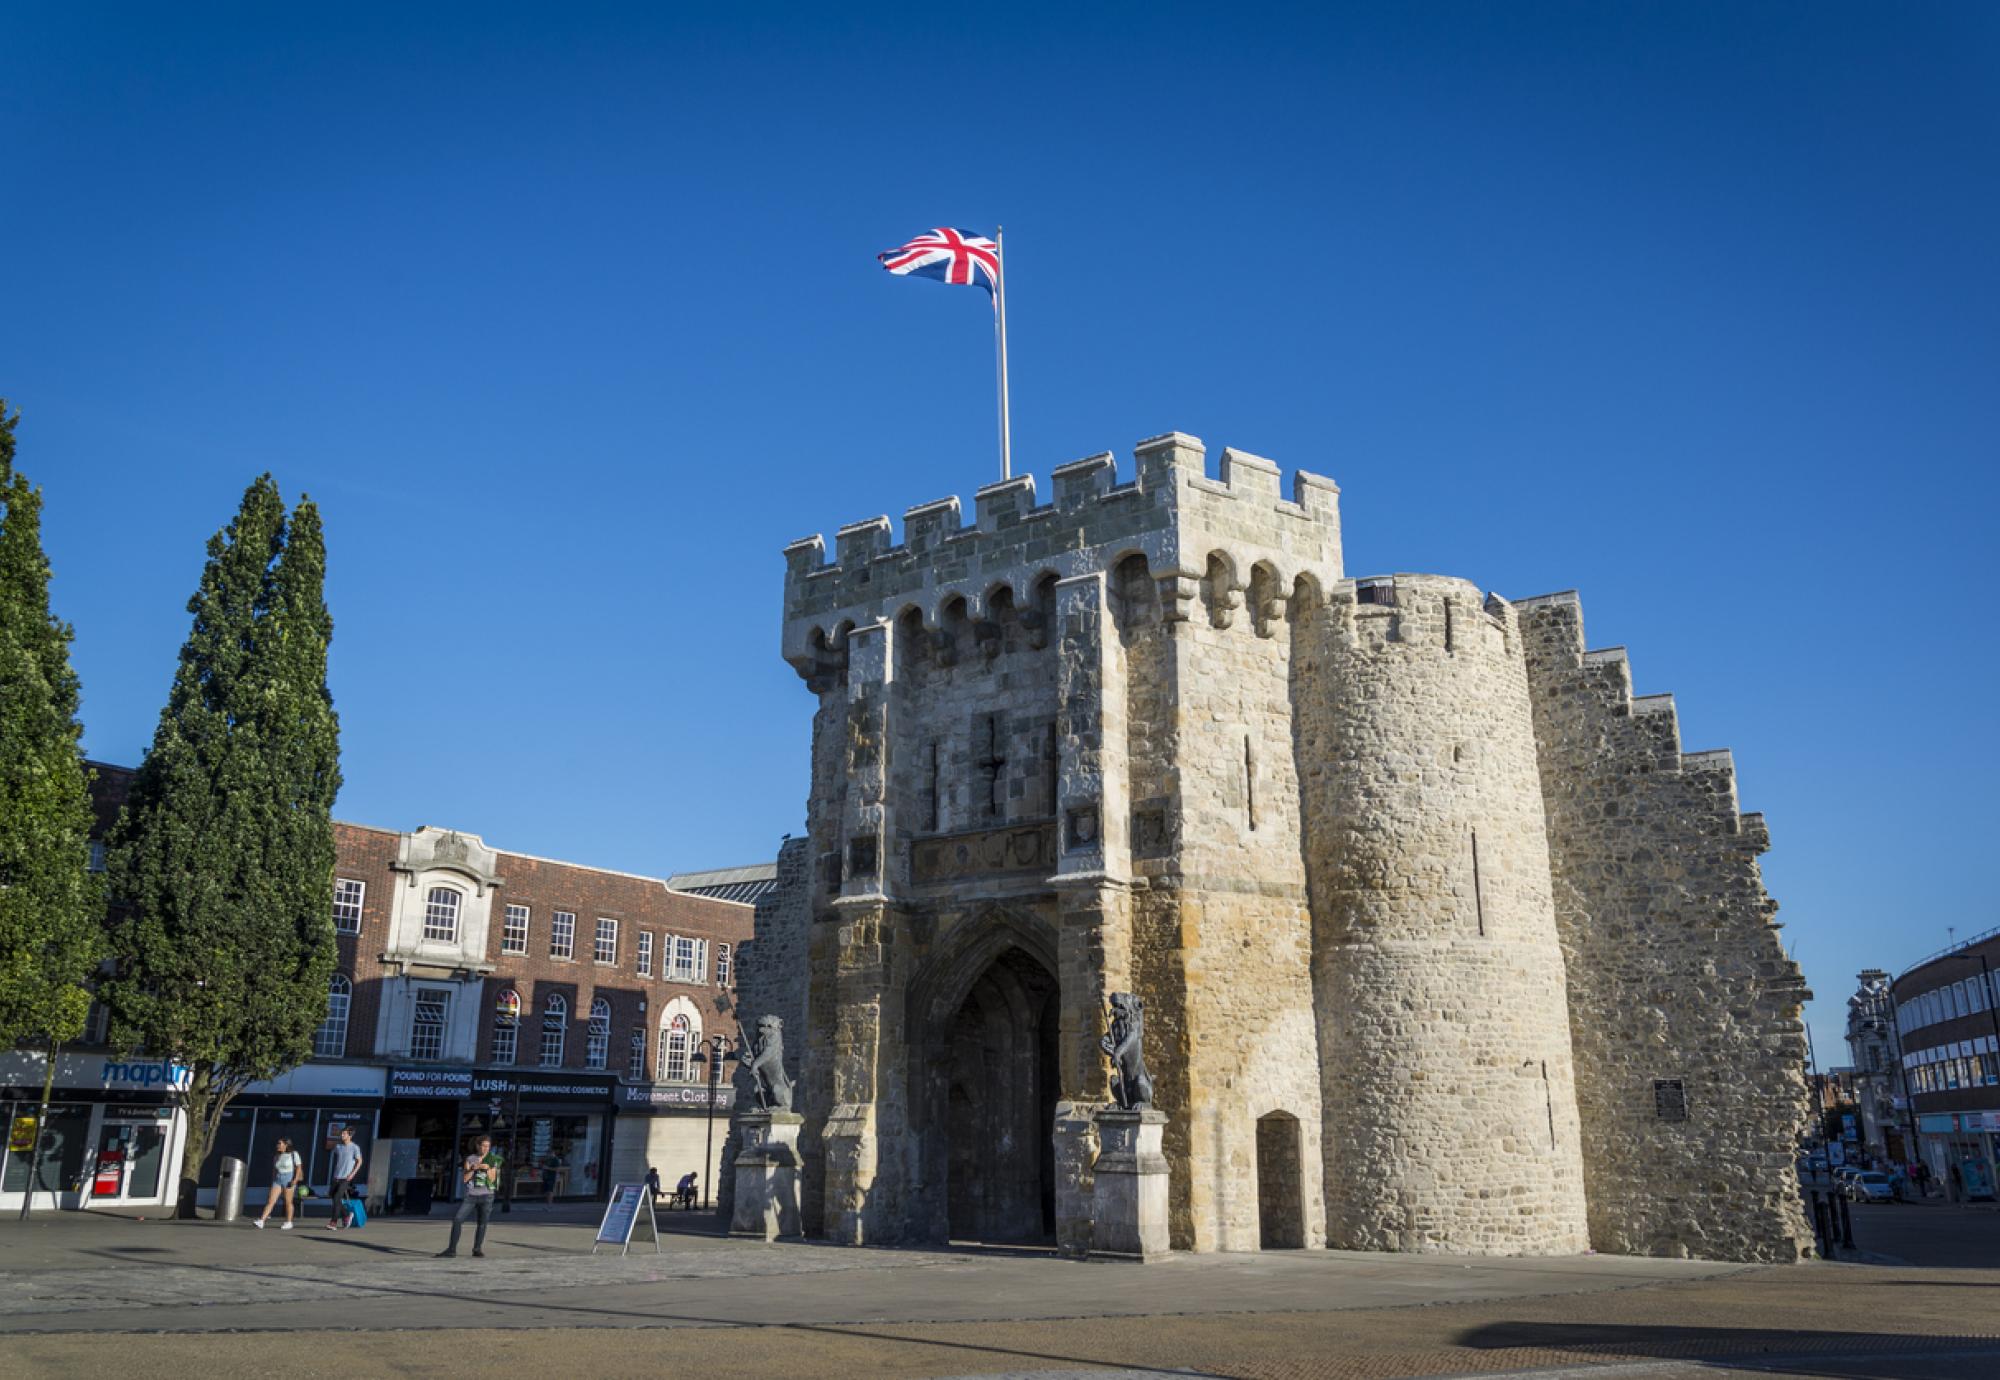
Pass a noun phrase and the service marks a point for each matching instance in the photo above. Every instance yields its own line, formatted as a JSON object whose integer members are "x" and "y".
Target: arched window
{"x": 555, "y": 1028}
{"x": 597, "y": 1046}
{"x": 676, "y": 1043}
{"x": 506, "y": 1026}
{"x": 441, "y": 915}
{"x": 330, "y": 1040}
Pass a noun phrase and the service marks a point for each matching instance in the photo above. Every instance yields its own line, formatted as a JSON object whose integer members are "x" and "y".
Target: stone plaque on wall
{"x": 984, "y": 853}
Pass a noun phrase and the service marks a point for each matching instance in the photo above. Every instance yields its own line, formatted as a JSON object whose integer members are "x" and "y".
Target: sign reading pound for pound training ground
{"x": 623, "y": 1213}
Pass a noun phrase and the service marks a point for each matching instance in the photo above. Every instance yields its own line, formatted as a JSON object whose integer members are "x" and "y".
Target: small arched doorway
{"x": 987, "y": 1090}
{"x": 1281, "y": 1209}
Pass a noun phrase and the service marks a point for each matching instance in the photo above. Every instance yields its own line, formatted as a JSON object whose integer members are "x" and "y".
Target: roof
{"x": 747, "y": 884}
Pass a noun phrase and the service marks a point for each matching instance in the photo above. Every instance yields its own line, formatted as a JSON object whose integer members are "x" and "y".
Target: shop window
{"x": 676, "y": 1044}
{"x": 721, "y": 965}
{"x": 514, "y": 931}
{"x": 427, "y": 1025}
{"x": 606, "y": 947}
{"x": 555, "y": 1029}
{"x": 441, "y": 915}
{"x": 330, "y": 1040}
{"x": 597, "y": 1042}
{"x": 347, "y": 896}
{"x": 562, "y": 935}
{"x": 645, "y": 953}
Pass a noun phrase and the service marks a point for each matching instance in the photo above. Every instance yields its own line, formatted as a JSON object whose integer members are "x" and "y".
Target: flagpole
{"x": 1000, "y": 328}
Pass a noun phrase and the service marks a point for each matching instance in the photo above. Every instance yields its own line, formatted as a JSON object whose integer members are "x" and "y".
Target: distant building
{"x": 1948, "y": 1019}
{"x": 1878, "y": 1080}
{"x": 745, "y": 885}
{"x": 560, "y": 1009}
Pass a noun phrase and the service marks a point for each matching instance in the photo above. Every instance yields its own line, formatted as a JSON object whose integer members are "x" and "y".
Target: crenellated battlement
{"x": 1442, "y": 612}
{"x": 1641, "y": 729}
{"x": 1171, "y": 512}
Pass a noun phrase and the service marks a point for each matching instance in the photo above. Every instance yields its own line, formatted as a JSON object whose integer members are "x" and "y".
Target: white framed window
{"x": 555, "y": 1030}
{"x": 427, "y": 1025}
{"x": 683, "y": 960}
{"x": 330, "y": 1040}
{"x": 347, "y": 895}
{"x": 597, "y": 1041}
{"x": 635, "y": 1062}
{"x": 676, "y": 1043}
{"x": 562, "y": 935}
{"x": 441, "y": 915}
{"x": 701, "y": 960}
{"x": 97, "y": 858}
{"x": 514, "y": 931}
{"x": 605, "y": 950}
{"x": 506, "y": 1027}
{"x": 721, "y": 965}
{"x": 645, "y": 953}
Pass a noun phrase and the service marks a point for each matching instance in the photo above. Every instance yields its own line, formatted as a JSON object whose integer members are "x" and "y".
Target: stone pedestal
{"x": 1129, "y": 1192}
{"x": 767, "y": 1176}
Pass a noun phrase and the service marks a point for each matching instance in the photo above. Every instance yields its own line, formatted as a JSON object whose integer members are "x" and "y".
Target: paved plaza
{"x": 81, "y": 1291}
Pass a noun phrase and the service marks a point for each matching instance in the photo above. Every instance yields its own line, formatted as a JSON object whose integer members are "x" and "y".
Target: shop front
{"x": 552, "y": 1127}
{"x": 1960, "y": 1151}
{"x": 307, "y": 1108}
{"x": 676, "y": 1128}
{"x": 113, "y": 1136}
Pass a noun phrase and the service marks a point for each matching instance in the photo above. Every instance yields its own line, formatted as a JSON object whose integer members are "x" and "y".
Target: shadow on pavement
{"x": 1780, "y": 1351}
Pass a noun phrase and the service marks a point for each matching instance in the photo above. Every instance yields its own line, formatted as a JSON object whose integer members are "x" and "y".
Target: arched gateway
{"x": 983, "y": 1088}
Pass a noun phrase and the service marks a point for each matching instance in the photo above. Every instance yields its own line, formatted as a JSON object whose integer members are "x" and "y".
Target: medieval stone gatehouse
{"x": 1444, "y": 943}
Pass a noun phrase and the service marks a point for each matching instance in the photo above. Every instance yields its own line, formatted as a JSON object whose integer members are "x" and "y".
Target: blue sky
{"x": 569, "y": 319}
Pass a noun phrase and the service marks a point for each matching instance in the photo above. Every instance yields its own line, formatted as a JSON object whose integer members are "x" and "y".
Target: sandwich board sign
{"x": 621, "y": 1214}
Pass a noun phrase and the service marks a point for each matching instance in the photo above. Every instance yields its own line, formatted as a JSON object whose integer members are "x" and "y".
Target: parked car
{"x": 1870, "y": 1186}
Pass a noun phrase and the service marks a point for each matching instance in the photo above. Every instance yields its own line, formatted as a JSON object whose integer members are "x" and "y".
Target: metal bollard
{"x": 1846, "y": 1221}
{"x": 229, "y": 1190}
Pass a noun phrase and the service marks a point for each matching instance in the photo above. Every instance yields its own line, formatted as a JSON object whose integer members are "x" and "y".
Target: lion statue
{"x": 764, "y": 1057}
{"x": 1129, "y": 1083}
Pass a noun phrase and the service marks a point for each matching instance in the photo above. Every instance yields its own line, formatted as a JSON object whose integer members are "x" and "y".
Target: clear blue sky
{"x": 569, "y": 318}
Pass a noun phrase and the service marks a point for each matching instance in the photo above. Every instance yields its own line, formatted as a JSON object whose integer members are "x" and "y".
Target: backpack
{"x": 357, "y": 1214}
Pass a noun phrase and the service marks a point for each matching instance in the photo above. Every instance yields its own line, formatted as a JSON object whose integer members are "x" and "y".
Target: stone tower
{"x": 1147, "y": 737}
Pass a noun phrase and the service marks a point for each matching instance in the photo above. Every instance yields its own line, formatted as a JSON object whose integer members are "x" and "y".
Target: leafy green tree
{"x": 222, "y": 863}
{"x": 51, "y": 906}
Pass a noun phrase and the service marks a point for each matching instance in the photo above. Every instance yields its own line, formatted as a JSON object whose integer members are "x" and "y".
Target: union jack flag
{"x": 950, "y": 256}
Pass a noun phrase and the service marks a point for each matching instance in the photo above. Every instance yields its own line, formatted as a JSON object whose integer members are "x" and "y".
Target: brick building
{"x": 1948, "y": 1018}
{"x": 567, "y": 1011}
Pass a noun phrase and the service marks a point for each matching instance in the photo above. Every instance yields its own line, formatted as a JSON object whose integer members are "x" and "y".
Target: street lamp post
{"x": 713, "y": 1051}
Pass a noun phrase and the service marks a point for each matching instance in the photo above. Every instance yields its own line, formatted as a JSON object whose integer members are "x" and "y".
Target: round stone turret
{"x": 1447, "y": 1089}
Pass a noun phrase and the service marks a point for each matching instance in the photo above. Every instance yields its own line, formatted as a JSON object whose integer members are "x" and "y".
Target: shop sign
{"x": 666, "y": 1095}
{"x": 1948, "y": 1123}
{"x": 156, "y": 1113}
{"x": 465, "y": 1083}
{"x": 430, "y": 1082}
{"x": 21, "y": 1135}
{"x": 164, "y": 1074}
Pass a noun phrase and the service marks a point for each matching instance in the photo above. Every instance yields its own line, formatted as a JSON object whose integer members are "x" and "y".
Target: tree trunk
{"x": 205, "y": 1101}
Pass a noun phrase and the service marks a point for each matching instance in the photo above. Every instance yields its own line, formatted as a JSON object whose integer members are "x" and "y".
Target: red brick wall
{"x": 637, "y": 904}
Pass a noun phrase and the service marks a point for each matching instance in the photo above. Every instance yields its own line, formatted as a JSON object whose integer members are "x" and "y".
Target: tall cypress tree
{"x": 51, "y": 906}
{"x": 222, "y": 864}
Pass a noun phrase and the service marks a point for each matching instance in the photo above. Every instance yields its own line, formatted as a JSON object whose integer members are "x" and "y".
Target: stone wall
{"x": 771, "y": 972}
{"x": 1683, "y": 1005}
{"x": 1448, "y": 1091}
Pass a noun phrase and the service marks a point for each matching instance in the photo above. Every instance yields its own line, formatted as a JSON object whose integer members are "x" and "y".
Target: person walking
{"x": 285, "y": 1171}
{"x": 346, "y": 1168}
{"x": 481, "y": 1176}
